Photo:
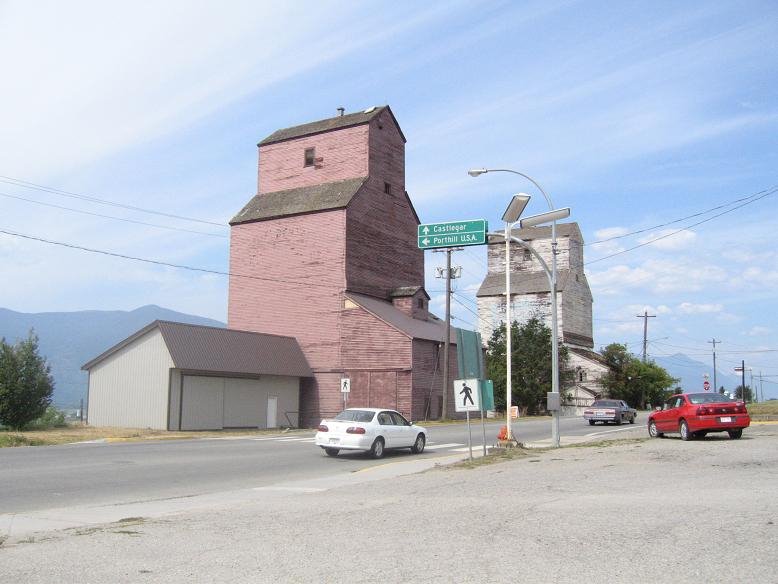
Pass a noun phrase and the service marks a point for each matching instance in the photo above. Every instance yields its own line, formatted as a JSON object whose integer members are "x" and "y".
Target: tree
{"x": 531, "y": 371}
{"x": 26, "y": 384}
{"x": 632, "y": 380}
{"x": 744, "y": 393}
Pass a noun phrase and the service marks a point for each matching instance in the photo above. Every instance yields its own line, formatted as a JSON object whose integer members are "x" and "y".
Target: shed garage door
{"x": 213, "y": 403}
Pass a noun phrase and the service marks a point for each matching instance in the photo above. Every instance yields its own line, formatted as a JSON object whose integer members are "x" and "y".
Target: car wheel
{"x": 418, "y": 446}
{"x": 683, "y": 429}
{"x": 377, "y": 449}
{"x": 331, "y": 451}
{"x": 632, "y": 419}
{"x": 735, "y": 434}
{"x": 618, "y": 421}
{"x": 591, "y": 422}
{"x": 652, "y": 431}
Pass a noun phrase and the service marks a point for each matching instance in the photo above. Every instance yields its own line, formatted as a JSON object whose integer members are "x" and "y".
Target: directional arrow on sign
{"x": 425, "y": 241}
{"x": 426, "y": 230}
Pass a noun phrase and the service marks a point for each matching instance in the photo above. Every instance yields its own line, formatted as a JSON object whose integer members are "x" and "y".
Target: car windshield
{"x": 709, "y": 398}
{"x": 355, "y": 415}
{"x": 606, "y": 403}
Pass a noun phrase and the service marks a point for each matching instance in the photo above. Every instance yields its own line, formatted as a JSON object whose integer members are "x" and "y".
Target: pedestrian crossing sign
{"x": 467, "y": 395}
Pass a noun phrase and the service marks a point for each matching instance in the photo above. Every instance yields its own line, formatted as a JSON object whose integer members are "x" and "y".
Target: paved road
{"x": 649, "y": 511}
{"x": 33, "y": 479}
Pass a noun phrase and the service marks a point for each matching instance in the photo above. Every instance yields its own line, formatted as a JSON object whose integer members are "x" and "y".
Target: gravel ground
{"x": 629, "y": 511}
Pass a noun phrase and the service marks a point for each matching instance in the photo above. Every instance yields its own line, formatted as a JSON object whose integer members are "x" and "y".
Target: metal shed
{"x": 175, "y": 376}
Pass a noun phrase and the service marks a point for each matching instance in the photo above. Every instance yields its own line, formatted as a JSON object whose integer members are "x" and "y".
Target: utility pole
{"x": 645, "y": 316}
{"x": 447, "y": 341}
{"x": 715, "y": 386}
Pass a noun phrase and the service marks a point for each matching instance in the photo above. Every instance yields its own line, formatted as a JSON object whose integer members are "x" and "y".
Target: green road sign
{"x": 452, "y": 234}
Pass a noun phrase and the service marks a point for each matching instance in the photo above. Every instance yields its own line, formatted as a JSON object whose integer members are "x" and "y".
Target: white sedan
{"x": 370, "y": 429}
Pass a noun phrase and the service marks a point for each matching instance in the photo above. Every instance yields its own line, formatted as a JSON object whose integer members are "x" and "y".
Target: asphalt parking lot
{"x": 633, "y": 510}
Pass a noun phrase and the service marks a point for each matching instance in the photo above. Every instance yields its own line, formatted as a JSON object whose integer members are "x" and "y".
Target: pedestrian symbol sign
{"x": 345, "y": 385}
{"x": 467, "y": 395}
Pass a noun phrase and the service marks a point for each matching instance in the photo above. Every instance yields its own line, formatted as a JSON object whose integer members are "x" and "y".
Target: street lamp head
{"x": 547, "y": 217}
{"x": 477, "y": 171}
{"x": 516, "y": 207}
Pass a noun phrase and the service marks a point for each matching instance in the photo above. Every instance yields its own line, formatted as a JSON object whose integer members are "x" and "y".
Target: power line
{"x": 706, "y": 211}
{"x": 665, "y": 236}
{"x": 30, "y": 185}
{"x": 110, "y": 216}
{"x": 159, "y": 262}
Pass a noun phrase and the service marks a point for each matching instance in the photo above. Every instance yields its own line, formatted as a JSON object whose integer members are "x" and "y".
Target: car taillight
{"x": 323, "y": 428}
{"x": 701, "y": 411}
{"x": 741, "y": 408}
{"x": 355, "y": 430}
{"x": 588, "y": 412}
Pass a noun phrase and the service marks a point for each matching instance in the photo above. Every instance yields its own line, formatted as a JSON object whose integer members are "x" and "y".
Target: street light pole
{"x": 511, "y": 215}
{"x": 554, "y": 330}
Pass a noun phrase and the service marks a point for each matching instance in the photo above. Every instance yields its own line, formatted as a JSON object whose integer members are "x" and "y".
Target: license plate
{"x": 725, "y": 420}
{"x": 334, "y": 440}
{"x": 600, "y": 414}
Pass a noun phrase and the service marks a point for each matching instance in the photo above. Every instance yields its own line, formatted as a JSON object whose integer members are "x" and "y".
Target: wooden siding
{"x": 130, "y": 387}
{"x": 268, "y": 259}
{"x": 369, "y": 343}
{"x": 344, "y": 155}
{"x": 381, "y": 247}
{"x": 428, "y": 380}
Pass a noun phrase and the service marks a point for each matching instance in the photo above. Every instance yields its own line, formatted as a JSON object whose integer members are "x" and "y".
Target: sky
{"x": 655, "y": 122}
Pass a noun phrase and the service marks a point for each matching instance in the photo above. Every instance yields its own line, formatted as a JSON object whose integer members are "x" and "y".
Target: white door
{"x": 272, "y": 411}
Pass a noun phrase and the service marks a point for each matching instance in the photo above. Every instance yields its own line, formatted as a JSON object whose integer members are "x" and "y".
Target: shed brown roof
{"x": 321, "y": 197}
{"x": 225, "y": 351}
{"x": 329, "y": 124}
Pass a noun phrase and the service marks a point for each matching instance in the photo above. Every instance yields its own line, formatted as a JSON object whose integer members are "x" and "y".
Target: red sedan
{"x": 696, "y": 414}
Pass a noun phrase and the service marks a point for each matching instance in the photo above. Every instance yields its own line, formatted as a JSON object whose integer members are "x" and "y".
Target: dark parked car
{"x": 610, "y": 410}
{"x": 696, "y": 414}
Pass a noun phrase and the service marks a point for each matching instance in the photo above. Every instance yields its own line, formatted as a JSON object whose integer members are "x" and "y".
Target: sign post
{"x": 467, "y": 398}
{"x": 452, "y": 234}
{"x": 345, "y": 389}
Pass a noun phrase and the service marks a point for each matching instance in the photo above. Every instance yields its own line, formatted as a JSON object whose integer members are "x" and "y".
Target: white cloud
{"x": 609, "y": 232}
{"x": 669, "y": 239}
{"x": 759, "y": 331}
{"x": 656, "y": 276}
{"x": 691, "y": 308}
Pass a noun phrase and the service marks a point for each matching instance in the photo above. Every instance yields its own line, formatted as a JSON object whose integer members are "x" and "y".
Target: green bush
{"x": 51, "y": 418}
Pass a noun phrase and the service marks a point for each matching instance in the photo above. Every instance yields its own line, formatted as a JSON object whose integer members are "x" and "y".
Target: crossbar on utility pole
{"x": 645, "y": 316}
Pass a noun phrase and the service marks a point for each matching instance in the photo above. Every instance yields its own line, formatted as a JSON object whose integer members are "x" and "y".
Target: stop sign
{"x": 706, "y": 385}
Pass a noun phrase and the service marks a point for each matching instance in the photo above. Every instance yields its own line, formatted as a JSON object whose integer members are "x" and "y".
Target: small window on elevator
{"x": 310, "y": 156}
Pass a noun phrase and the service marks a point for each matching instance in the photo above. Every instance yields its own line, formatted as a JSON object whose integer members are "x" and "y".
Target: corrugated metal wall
{"x": 130, "y": 388}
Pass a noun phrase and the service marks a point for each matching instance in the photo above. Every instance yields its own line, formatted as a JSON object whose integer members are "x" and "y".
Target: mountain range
{"x": 691, "y": 373}
{"x": 69, "y": 339}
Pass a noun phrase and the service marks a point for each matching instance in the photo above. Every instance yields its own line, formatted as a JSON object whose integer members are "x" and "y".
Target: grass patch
{"x": 81, "y": 433}
{"x": 496, "y": 456}
{"x": 14, "y": 439}
{"x": 603, "y": 443}
{"x": 769, "y": 408}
